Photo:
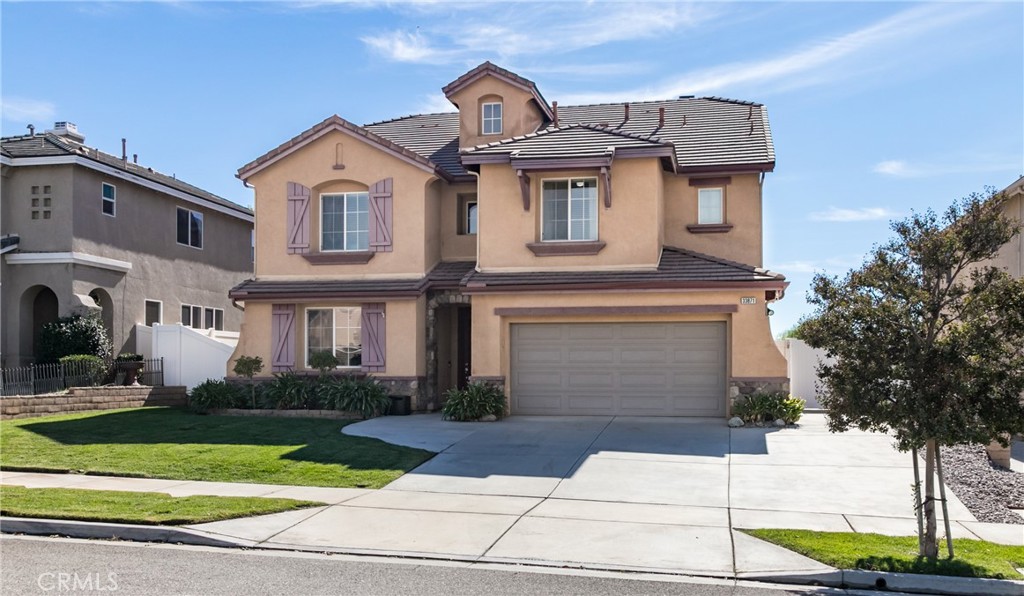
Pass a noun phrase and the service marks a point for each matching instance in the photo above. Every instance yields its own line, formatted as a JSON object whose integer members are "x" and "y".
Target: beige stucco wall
{"x": 742, "y": 209}
{"x": 365, "y": 164}
{"x": 629, "y": 228}
{"x": 752, "y": 350}
{"x": 405, "y": 335}
{"x": 520, "y": 113}
{"x": 455, "y": 246}
{"x": 1011, "y": 256}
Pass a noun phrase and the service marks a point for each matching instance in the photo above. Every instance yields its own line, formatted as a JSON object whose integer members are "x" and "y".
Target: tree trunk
{"x": 917, "y": 500}
{"x": 930, "y": 547}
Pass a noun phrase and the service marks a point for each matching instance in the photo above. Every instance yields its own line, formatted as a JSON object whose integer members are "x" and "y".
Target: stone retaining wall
{"x": 82, "y": 399}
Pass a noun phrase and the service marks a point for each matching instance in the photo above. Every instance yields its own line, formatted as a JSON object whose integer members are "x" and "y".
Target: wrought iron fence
{"x": 48, "y": 378}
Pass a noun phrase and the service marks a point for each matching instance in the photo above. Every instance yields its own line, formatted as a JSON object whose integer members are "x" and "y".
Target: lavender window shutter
{"x": 282, "y": 337}
{"x": 298, "y": 218}
{"x": 374, "y": 337}
{"x": 381, "y": 216}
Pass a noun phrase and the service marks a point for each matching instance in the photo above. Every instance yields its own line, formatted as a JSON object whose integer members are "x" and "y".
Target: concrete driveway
{"x": 627, "y": 493}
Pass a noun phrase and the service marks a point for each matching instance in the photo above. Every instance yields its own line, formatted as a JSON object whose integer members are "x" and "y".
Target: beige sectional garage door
{"x": 628, "y": 369}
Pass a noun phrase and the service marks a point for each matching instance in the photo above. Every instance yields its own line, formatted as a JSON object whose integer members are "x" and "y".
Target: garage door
{"x": 629, "y": 369}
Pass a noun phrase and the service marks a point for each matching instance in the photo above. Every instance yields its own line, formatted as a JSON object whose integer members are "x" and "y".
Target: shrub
{"x": 212, "y": 394}
{"x": 289, "y": 391}
{"x": 73, "y": 335}
{"x": 129, "y": 357}
{"x": 249, "y": 367}
{"x": 767, "y": 406}
{"x": 323, "y": 361}
{"x": 332, "y": 391}
{"x": 83, "y": 370}
{"x": 366, "y": 396}
{"x": 474, "y": 402}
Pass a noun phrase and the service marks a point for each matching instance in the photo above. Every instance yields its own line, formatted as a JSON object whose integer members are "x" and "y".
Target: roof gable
{"x": 488, "y": 69}
{"x": 337, "y": 123}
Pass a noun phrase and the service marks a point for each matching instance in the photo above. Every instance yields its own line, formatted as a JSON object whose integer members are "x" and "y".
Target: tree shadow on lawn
{"x": 954, "y": 567}
{"x": 317, "y": 440}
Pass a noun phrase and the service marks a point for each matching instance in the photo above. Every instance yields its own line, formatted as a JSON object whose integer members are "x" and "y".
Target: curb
{"x": 914, "y": 583}
{"x": 110, "y": 531}
{"x": 837, "y": 578}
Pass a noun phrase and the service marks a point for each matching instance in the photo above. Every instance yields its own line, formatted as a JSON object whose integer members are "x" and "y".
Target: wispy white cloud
{"x": 818, "y": 63}
{"x": 814, "y": 266}
{"x": 435, "y": 103}
{"x": 898, "y": 168}
{"x": 838, "y": 214}
{"x": 27, "y": 110}
{"x": 506, "y": 31}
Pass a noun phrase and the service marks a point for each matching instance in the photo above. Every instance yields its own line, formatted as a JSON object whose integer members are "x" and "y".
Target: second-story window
{"x": 569, "y": 209}
{"x": 491, "y": 114}
{"x": 190, "y": 228}
{"x": 710, "y": 207}
{"x": 109, "y": 195}
{"x": 467, "y": 214}
{"x": 344, "y": 221}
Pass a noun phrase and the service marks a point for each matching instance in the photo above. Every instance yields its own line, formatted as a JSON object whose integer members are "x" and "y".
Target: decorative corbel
{"x": 606, "y": 181}
{"x": 524, "y": 188}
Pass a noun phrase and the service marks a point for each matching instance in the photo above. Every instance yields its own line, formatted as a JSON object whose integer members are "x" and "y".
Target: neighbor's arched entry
{"x": 106, "y": 304}
{"x": 39, "y": 306}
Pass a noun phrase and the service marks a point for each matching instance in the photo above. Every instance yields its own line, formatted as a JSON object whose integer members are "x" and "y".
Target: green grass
{"x": 178, "y": 445}
{"x": 134, "y": 508}
{"x": 875, "y": 552}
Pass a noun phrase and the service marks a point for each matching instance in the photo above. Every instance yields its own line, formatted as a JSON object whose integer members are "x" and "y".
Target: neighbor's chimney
{"x": 67, "y": 130}
{"x": 661, "y": 117}
{"x": 31, "y": 130}
{"x": 124, "y": 150}
{"x": 554, "y": 111}
{"x": 135, "y": 158}
{"x": 626, "y": 107}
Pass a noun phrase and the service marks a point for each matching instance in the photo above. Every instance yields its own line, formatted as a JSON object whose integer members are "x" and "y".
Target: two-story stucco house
{"x": 596, "y": 259}
{"x": 1011, "y": 257}
{"x": 86, "y": 231}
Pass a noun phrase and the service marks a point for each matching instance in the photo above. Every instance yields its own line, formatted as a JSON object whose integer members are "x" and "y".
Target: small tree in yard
{"x": 249, "y": 367}
{"x": 927, "y": 340}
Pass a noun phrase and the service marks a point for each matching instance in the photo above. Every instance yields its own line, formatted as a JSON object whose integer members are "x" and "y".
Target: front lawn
{"x": 875, "y": 552}
{"x": 178, "y": 445}
{"x": 134, "y": 508}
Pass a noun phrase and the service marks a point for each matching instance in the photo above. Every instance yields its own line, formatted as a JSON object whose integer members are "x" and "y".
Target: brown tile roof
{"x": 434, "y": 136}
{"x": 678, "y": 268}
{"x": 50, "y": 145}
{"x": 574, "y": 140}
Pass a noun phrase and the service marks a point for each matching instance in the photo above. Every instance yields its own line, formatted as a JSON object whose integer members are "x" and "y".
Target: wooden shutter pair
{"x": 298, "y": 216}
{"x": 282, "y": 337}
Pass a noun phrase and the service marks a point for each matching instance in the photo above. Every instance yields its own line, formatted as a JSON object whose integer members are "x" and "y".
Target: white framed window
{"x": 207, "y": 318}
{"x": 710, "y": 206}
{"x": 345, "y": 221}
{"x": 154, "y": 312}
{"x": 190, "y": 228}
{"x": 192, "y": 316}
{"x": 218, "y": 319}
{"x": 569, "y": 209}
{"x": 108, "y": 194}
{"x": 337, "y": 330}
{"x": 490, "y": 114}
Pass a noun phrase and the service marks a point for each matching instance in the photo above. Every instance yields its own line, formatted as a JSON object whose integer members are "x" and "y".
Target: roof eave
{"x": 773, "y": 284}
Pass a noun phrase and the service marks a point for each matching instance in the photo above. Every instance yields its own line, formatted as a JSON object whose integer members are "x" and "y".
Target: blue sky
{"x": 877, "y": 109}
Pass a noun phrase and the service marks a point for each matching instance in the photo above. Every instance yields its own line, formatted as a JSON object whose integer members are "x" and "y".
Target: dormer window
{"x": 491, "y": 118}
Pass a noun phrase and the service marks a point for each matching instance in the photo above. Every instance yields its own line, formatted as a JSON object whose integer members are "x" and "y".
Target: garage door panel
{"x": 641, "y": 369}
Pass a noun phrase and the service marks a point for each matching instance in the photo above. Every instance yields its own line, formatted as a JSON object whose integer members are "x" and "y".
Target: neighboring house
{"x": 87, "y": 231}
{"x": 1011, "y": 257}
{"x": 599, "y": 259}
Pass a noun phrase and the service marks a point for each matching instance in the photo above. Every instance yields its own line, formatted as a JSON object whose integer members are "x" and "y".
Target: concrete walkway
{"x": 625, "y": 493}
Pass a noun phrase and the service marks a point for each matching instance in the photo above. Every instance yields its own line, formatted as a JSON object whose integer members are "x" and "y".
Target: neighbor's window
{"x": 709, "y": 206}
{"x": 154, "y": 312}
{"x": 467, "y": 214}
{"x": 109, "y": 195}
{"x": 186, "y": 315}
{"x": 345, "y": 221}
{"x": 336, "y": 330}
{"x": 218, "y": 319}
{"x": 491, "y": 114}
{"x": 208, "y": 318}
{"x": 190, "y": 228}
{"x": 192, "y": 316}
{"x": 569, "y": 209}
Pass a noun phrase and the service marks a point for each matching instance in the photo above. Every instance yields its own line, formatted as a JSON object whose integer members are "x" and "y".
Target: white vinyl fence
{"x": 190, "y": 355}
{"x": 803, "y": 375}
